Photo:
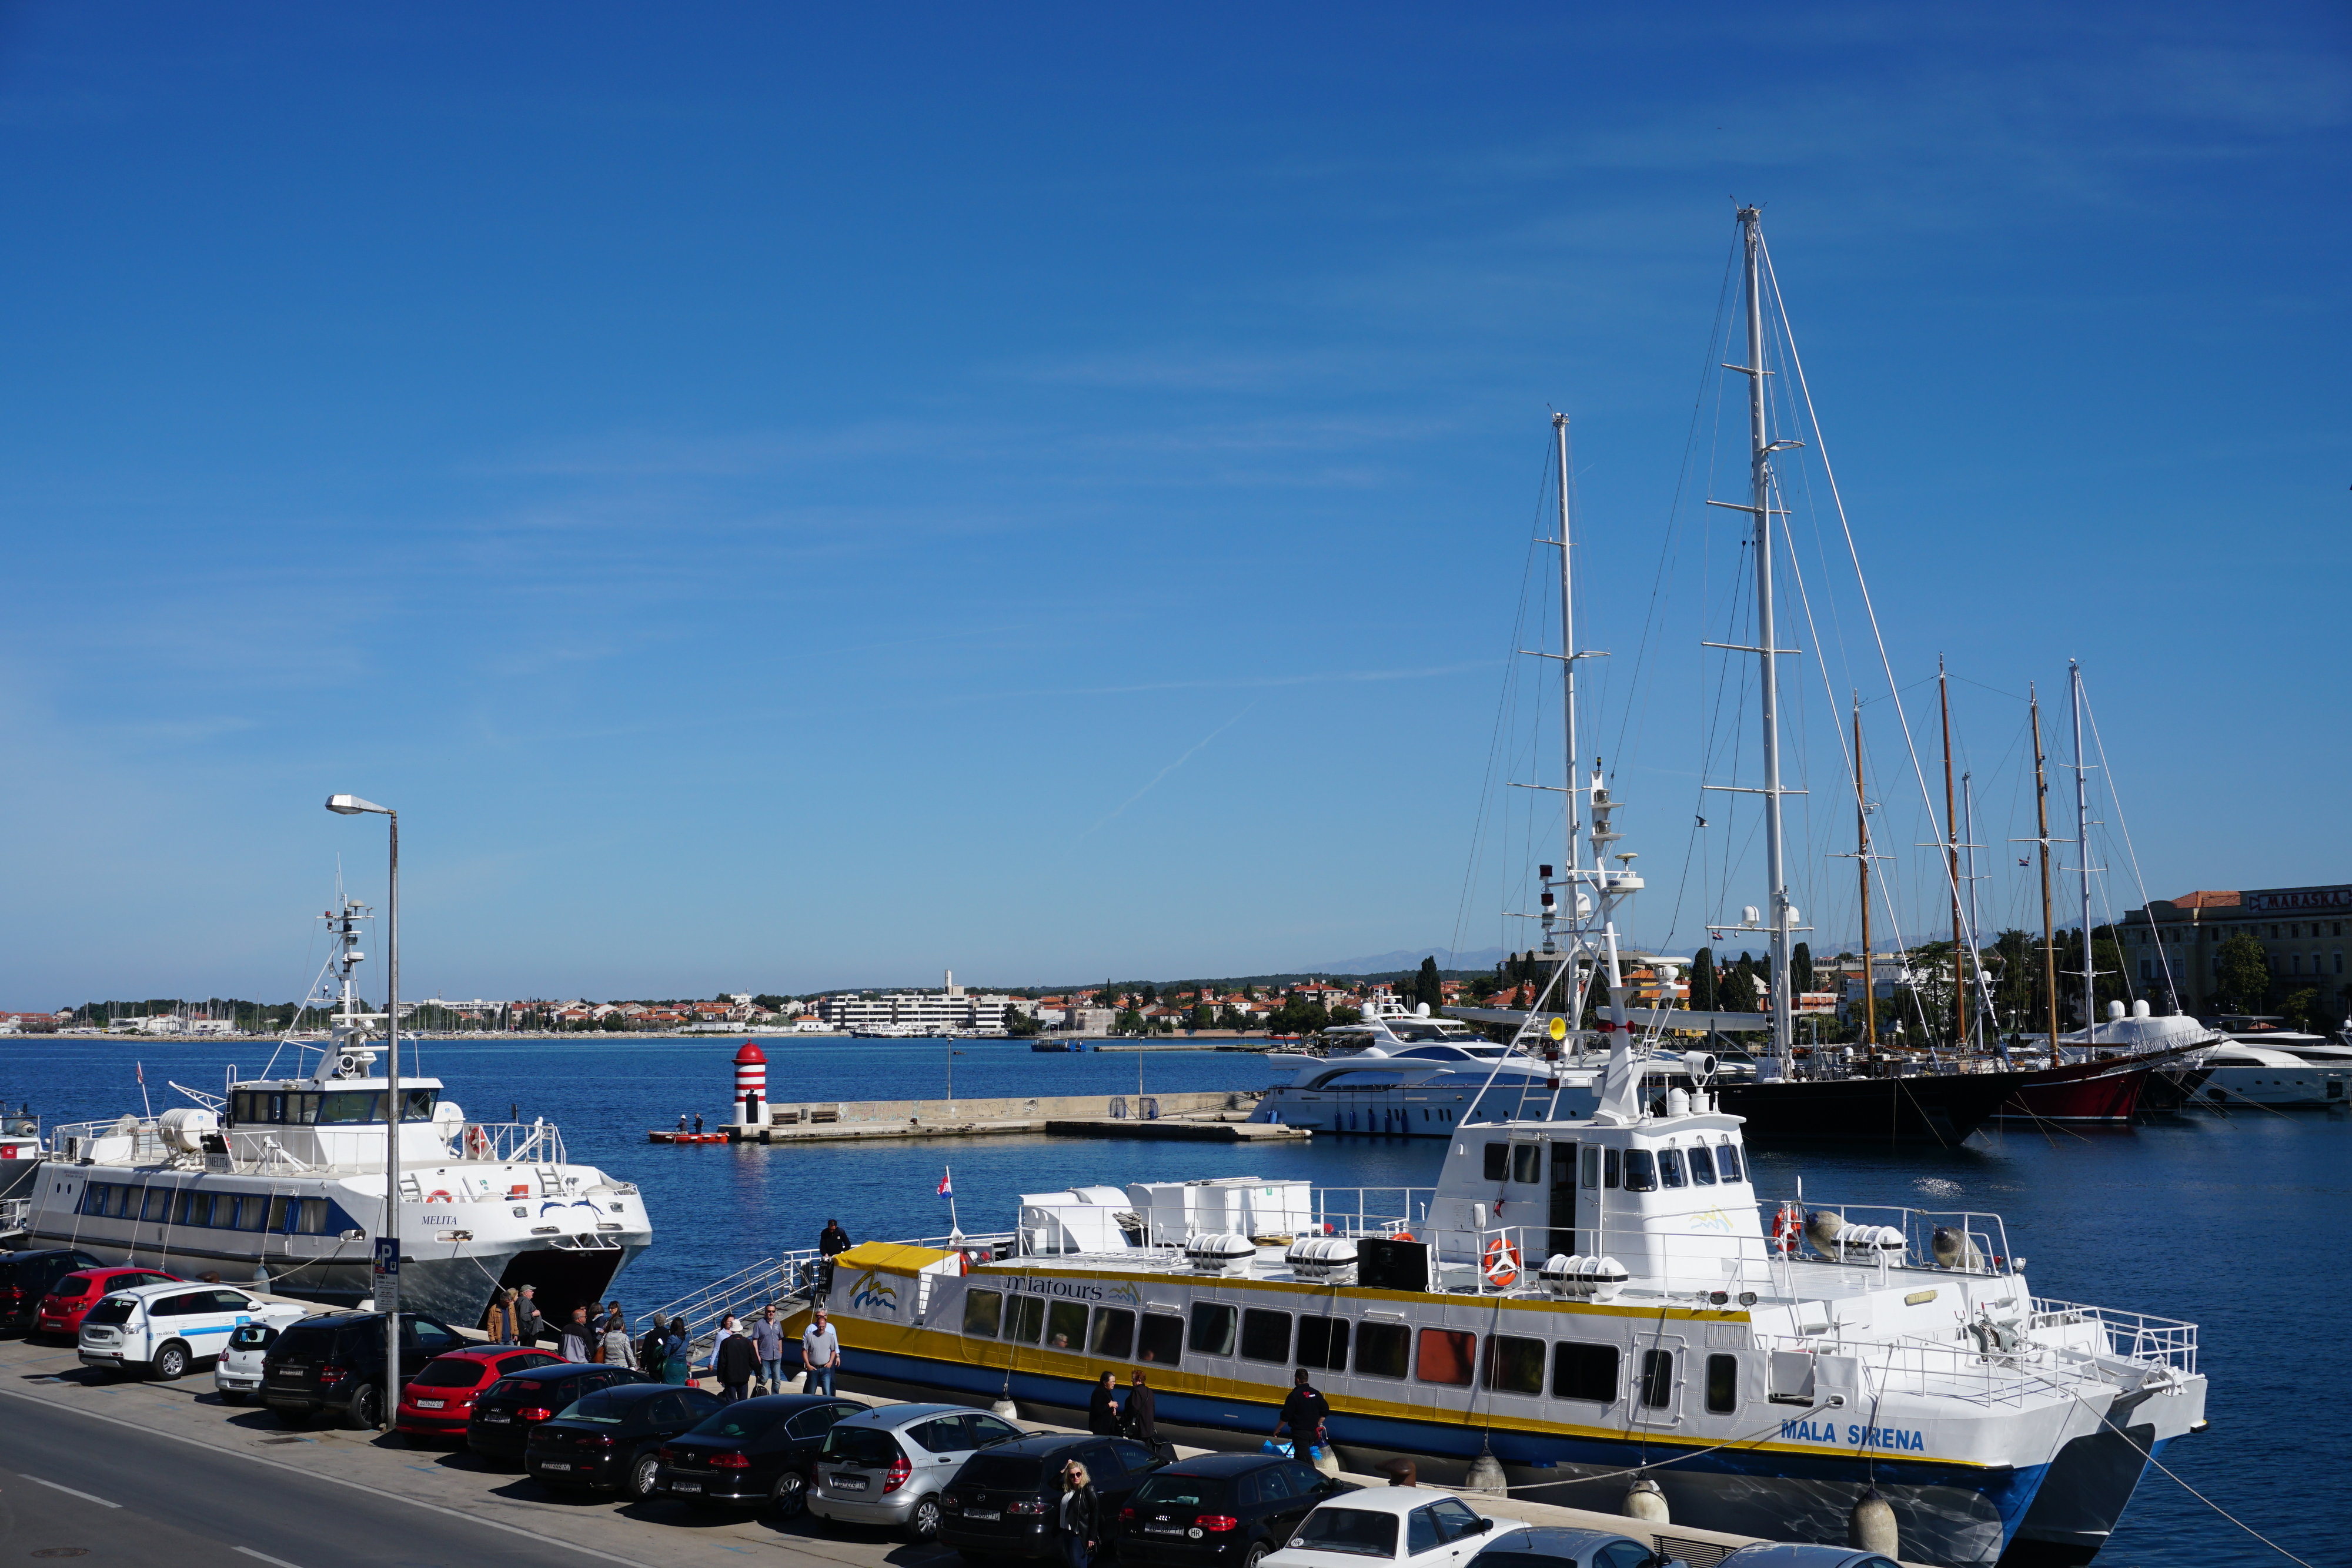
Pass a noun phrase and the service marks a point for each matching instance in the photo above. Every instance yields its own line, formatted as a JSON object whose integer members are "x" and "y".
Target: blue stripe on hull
{"x": 1956, "y": 1514}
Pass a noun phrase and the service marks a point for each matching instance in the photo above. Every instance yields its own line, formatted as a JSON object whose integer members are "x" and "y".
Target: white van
{"x": 165, "y": 1330}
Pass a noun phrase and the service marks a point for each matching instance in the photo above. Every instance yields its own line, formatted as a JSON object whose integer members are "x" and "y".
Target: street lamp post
{"x": 352, "y": 806}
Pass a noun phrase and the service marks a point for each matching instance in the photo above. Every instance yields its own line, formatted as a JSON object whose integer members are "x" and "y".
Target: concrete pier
{"x": 1214, "y": 1116}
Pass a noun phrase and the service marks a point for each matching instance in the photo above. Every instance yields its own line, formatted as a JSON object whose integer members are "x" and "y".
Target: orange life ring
{"x": 1401, "y": 1235}
{"x": 478, "y": 1143}
{"x": 1501, "y": 1264}
{"x": 1787, "y": 1226}
{"x": 439, "y": 1198}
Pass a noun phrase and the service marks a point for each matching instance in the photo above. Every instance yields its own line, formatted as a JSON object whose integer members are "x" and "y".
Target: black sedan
{"x": 754, "y": 1452}
{"x": 611, "y": 1440}
{"x": 1219, "y": 1510}
{"x": 503, "y": 1416}
{"x": 1003, "y": 1501}
{"x": 1559, "y": 1546}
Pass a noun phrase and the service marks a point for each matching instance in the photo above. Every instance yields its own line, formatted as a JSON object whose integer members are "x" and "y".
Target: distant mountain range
{"x": 1409, "y": 958}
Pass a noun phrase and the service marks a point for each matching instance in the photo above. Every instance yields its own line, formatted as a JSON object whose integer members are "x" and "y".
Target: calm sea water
{"x": 2243, "y": 1225}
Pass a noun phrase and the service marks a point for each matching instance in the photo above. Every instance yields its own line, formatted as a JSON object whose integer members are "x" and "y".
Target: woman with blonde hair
{"x": 1080, "y": 1516}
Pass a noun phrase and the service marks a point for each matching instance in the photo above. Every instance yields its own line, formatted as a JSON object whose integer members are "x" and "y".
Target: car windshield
{"x": 1010, "y": 1472}
{"x": 749, "y": 1425}
{"x": 306, "y": 1339}
{"x": 1183, "y": 1491}
{"x": 605, "y": 1407}
{"x": 449, "y": 1371}
{"x": 860, "y": 1445}
{"x": 113, "y": 1310}
{"x": 252, "y": 1336}
{"x": 1354, "y": 1529}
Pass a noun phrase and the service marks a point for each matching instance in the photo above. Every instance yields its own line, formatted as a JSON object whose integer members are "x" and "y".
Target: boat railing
{"x": 116, "y": 1140}
{"x": 2129, "y": 1336}
{"x": 1370, "y": 1210}
{"x": 1953, "y": 1241}
{"x": 786, "y": 1280}
{"x": 535, "y": 1142}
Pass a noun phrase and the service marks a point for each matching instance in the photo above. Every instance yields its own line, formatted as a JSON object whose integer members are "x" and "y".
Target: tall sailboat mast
{"x": 1862, "y": 861}
{"x": 2082, "y": 853}
{"x": 1760, "y": 447}
{"x": 1952, "y": 866}
{"x": 1568, "y": 655}
{"x": 1977, "y": 993}
{"x": 2041, "y": 826}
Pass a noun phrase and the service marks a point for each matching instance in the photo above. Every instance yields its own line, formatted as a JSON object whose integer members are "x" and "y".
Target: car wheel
{"x": 170, "y": 1363}
{"x": 789, "y": 1495}
{"x": 645, "y": 1474}
{"x": 923, "y": 1523}
{"x": 365, "y": 1412}
{"x": 1257, "y": 1553}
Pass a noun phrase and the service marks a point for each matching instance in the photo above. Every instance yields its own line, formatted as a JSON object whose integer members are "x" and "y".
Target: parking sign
{"x": 387, "y": 1256}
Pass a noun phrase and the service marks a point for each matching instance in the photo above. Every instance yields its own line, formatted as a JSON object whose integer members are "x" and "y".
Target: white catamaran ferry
{"x": 282, "y": 1178}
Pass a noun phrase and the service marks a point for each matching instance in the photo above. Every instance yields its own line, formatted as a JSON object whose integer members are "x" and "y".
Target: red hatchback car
{"x": 440, "y": 1400}
{"x": 71, "y": 1298}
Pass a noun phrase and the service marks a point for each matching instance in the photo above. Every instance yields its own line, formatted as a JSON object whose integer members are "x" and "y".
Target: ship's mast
{"x": 1979, "y": 997}
{"x": 1952, "y": 866}
{"x": 2082, "y": 853}
{"x": 1567, "y": 649}
{"x": 2041, "y": 826}
{"x": 1861, "y": 861}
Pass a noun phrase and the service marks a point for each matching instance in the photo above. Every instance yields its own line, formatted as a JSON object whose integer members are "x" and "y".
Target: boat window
{"x": 1527, "y": 1163}
{"x": 1642, "y": 1172}
{"x": 278, "y": 1107}
{"x": 1722, "y": 1384}
{"x": 350, "y": 1107}
{"x": 1323, "y": 1342}
{"x": 1670, "y": 1165}
{"x": 314, "y": 1217}
{"x": 1584, "y": 1371}
{"x": 1498, "y": 1161}
{"x": 280, "y": 1210}
{"x": 1591, "y": 1162}
{"x": 1702, "y": 1167}
{"x": 193, "y": 1207}
{"x": 122, "y": 1201}
{"x": 1026, "y": 1322}
{"x": 1114, "y": 1335}
{"x": 1657, "y": 1379}
{"x": 252, "y": 1211}
{"x": 1609, "y": 1163}
{"x": 417, "y": 1104}
{"x": 1447, "y": 1355}
{"x": 1515, "y": 1366}
{"x": 1265, "y": 1336}
{"x": 984, "y": 1312}
{"x": 1065, "y": 1325}
{"x": 1726, "y": 1160}
{"x": 1212, "y": 1329}
{"x": 302, "y": 1110}
{"x": 1380, "y": 1349}
{"x": 157, "y": 1204}
{"x": 1162, "y": 1340}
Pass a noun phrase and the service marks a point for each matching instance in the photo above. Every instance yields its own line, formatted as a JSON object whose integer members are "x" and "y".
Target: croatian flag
{"x": 946, "y": 1190}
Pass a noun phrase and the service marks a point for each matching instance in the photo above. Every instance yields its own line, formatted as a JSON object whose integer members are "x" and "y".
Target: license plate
{"x": 431, "y": 1404}
{"x": 498, "y": 1420}
{"x": 990, "y": 1513}
{"x": 686, "y": 1486}
{"x": 1163, "y": 1529}
{"x": 850, "y": 1483}
{"x": 551, "y": 1465}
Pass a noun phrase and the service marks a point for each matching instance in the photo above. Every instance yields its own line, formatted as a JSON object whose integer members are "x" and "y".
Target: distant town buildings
{"x": 2173, "y": 945}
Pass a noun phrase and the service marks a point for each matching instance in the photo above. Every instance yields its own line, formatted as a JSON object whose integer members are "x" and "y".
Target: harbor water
{"x": 2238, "y": 1224}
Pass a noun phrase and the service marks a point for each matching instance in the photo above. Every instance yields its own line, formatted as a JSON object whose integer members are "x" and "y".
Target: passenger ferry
{"x": 281, "y": 1180}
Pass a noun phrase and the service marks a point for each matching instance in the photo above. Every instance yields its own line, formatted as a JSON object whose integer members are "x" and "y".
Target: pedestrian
{"x": 768, "y": 1339}
{"x": 698, "y": 1123}
{"x": 617, "y": 1350}
{"x": 677, "y": 1351}
{"x": 681, "y": 1120}
{"x": 820, "y": 1354}
{"x": 577, "y": 1341}
{"x": 732, "y": 1362}
{"x": 831, "y": 1243}
{"x": 1303, "y": 1415}
{"x": 1080, "y": 1517}
{"x": 1102, "y": 1407}
{"x": 526, "y": 1324}
{"x": 650, "y": 1352}
{"x": 497, "y": 1324}
{"x": 1142, "y": 1412}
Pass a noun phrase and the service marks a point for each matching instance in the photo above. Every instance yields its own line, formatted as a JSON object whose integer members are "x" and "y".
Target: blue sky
{"x": 784, "y": 500}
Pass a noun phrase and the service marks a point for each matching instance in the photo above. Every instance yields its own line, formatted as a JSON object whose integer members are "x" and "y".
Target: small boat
{"x": 672, "y": 1136}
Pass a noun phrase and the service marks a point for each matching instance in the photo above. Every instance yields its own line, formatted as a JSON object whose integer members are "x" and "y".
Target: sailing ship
{"x": 282, "y": 1179}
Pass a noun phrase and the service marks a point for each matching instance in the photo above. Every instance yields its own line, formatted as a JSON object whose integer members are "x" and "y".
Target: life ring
{"x": 478, "y": 1143}
{"x": 1401, "y": 1235}
{"x": 1501, "y": 1264}
{"x": 1787, "y": 1226}
{"x": 439, "y": 1198}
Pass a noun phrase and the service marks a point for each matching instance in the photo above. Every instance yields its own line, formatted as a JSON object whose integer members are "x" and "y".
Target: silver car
{"x": 886, "y": 1467}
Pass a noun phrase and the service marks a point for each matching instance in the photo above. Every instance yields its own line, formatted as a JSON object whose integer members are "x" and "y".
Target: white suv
{"x": 237, "y": 1372}
{"x": 165, "y": 1330}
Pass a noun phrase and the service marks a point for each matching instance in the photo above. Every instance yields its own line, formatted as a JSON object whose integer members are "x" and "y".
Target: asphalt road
{"x": 75, "y": 1486}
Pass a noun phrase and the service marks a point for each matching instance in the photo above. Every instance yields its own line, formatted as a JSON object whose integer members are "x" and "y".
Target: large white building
{"x": 952, "y": 1010}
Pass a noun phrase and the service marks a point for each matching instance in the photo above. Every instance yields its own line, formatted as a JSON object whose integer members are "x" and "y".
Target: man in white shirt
{"x": 820, "y": 1353}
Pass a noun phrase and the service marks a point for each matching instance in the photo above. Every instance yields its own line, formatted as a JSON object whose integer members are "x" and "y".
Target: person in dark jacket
{"x": 1303, "y": 1415}
{"x": 1079, "y": 1514}
{"x": 578, "y": 1341}
{"x": 735, "y": 1363}
{"x": 831, "y": 1243}
{"x": 526, "y": 1325}
{"x": 1140, "y": 1412}
{"x": 1102, "y": 1410}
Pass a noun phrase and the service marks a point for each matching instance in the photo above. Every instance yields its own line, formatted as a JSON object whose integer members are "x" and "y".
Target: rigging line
{"x": 2150, "y": 1455}
{"x": 1788, "y": 336}
{"x": 2164, "y": 956}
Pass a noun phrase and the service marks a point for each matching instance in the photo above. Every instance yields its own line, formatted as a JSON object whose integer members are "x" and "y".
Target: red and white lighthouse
{"x": 751, "y": 1085}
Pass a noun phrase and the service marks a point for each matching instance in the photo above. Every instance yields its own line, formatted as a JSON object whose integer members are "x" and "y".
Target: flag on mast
{"x": 947, "y": 1180}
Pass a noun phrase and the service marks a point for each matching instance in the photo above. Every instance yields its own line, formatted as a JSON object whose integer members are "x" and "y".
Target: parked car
{"x": 438, "y": 1401}
{"x": 886, "y": 1467}
{"x": 165, "y": 1330}
{"x": 1396, "y": 1524}
{"x": 237, "y": 1374}
{"x": 611, "y": 1440}
{"x": 498, "y": 1428}
{"x": 70, "y": 1299}
{"x": 1001, "y": 1501}
{"x": 1790, "y": 1554}
{"x": 1557, "y": 1546}
{"x": 332, "y": 1362}
{"x": 754, "y": 1453}
{"x": 1219, "y": 1509}
{"x": 26, "y": 1278}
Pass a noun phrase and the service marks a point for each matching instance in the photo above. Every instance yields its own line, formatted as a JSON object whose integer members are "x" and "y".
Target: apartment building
{"x": 2173, "y": 945}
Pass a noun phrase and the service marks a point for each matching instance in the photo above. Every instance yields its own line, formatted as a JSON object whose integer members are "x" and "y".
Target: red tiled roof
{"x": 2206, "y": 901}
